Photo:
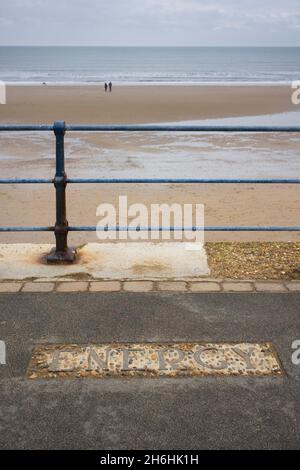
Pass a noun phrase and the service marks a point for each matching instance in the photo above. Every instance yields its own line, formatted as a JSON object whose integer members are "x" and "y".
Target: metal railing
{"x": 62, "y": 254}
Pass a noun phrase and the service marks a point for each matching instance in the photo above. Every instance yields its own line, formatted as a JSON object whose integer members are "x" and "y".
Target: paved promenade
{"x": 165, "y": 413}
{"x": 188, "y": 286}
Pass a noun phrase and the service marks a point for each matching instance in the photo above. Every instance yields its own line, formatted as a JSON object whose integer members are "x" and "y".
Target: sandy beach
{"x": 140, "y": 104}
{"x": 124, "y": 155}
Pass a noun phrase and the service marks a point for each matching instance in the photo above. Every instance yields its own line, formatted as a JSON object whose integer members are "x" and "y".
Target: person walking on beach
{"x": 110, "y": 87}
{"x": 105, "y": 87}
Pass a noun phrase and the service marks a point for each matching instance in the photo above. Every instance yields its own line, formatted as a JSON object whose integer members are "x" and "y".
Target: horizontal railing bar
{"x": 26, "y": 229}
{"x": 26, "y": 181}
{"x": 252, "y": 229}
{"x": 149, "y": 128}
{"x": 152, "y": 181}
{"x": 178, "y": 128}
{"x": 135, "y": 229}
{"x": 180, "y": 181}
{"x": 187, "y": 229}
{"x": 25, "y": 127}
{"x": 154, "y": 229}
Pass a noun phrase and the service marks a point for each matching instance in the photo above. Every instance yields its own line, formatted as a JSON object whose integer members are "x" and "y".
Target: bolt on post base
{"x": 61, "y": 257}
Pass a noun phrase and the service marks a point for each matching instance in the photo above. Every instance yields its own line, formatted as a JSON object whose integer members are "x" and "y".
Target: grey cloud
{"x": 150, "y": 22}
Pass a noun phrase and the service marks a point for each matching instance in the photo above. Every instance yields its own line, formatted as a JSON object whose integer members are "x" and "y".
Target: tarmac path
{"x": 139, "y": 413}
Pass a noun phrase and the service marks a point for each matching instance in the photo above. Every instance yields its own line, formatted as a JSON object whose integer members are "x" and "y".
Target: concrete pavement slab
{"x": 106, "y": 261}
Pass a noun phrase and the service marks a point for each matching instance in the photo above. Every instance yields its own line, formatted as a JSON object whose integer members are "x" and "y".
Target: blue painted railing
{"x": 62, "y": 254}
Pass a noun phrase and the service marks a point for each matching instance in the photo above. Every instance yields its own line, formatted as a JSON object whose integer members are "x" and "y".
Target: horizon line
{"x": 151, "y": 46}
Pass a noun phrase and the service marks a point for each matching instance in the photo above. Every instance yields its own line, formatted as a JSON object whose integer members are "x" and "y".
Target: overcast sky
{"x": 150, "y": 22}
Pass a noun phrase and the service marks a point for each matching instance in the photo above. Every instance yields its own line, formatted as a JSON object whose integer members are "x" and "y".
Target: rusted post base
{"x": 61, "y": 257}
{"x": 61, "y": 254}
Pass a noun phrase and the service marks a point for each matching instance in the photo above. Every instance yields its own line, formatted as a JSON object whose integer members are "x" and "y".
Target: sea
{"x": 181, "y": 155}
{"x": 150, "y": 65}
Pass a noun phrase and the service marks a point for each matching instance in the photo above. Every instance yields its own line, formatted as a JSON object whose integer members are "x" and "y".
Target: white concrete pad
{"x": 106, "y": 261}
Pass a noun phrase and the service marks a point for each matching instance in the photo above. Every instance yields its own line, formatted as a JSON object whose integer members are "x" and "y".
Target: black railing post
{"x": 61, "y": 254}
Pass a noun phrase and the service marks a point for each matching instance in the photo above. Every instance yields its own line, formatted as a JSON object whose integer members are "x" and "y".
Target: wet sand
{"x": 140, "y": 104}
{"x": 224, "y": 205}
{"x": 107, "y": 155}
